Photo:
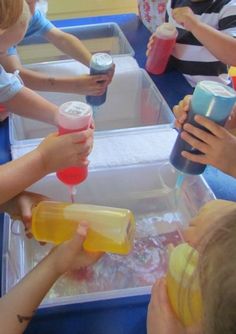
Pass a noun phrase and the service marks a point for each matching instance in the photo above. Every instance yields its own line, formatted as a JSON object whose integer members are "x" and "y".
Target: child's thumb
{"x": 77, "y": 241}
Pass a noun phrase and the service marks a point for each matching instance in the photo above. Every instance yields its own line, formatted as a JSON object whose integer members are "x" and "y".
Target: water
{"x": 72, "y": 193}
{"x": 146, "y": 262}
{"x": 95, "y": 110}
{"x": 178, "y": 187}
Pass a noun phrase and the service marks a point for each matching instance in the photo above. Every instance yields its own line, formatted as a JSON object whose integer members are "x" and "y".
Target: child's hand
{"x": 217, "y": 146}
{"x": 150, "y": 44}
{"x": 70, "y": 254}
{"x": 20, "y": 207}
{"x": 181, "y": 111}
{"x": 57, "y": 152}
{"x": 161, "y": 318}
{"x": 91, "y": 84}
{"x": 185, "y": 17}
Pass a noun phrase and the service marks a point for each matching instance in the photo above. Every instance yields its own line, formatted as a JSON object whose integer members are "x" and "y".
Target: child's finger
{"x": 214, "y": 128}
{"x": 76, "y": 243}
{"x": 199, "y": 158}
{"x": 100, "y": 78}
{"x": 80, "y": 136}
{"x": 202, "y": 137}
{"x": 163, "y": 296}
{"x": 194, "y": 142}
{"x": 154, "y": 301}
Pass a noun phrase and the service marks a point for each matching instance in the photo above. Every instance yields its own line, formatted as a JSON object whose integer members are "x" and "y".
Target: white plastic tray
{"x": 103, "y": 37}
{"x": 145, "y": 188}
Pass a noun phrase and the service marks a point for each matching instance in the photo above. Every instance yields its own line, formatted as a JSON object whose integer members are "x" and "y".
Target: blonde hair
{"x": 217, "y": 273}
{"x": 10, "y": 11}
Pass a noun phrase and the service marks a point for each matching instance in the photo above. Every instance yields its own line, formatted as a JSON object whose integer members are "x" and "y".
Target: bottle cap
{"x": 74, "y": 115}
{"x": 101, "y": 61}
{"x": 166, "y": 30}
{"x": 213, "y": 100}
{"x": 183, "y": 260}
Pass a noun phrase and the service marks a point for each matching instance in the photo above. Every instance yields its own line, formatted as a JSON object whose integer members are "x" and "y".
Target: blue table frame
{"x": 123, "y": 315}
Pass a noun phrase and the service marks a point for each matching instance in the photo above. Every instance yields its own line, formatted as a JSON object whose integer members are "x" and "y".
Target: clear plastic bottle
{"x": 101, "y": 63}
{"x": 110, "y": 229}
{"x": 164, "y": 42}
{"x": 73, "y": 116}
{"x": 183, "y": 285}
{"x": 212, "y": 100}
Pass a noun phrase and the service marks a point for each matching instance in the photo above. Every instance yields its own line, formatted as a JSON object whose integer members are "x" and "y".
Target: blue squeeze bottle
{"x": 101, "y": 63}
{"x": 212, "y": 100}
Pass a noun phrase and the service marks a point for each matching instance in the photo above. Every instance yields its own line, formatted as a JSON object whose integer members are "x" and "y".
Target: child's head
{"x": 14, "y": 19}
{"x": 217, "y": 265}
{"x": 218, "y": 275}
{"x": 10, "y": 10}
{"x": 206, "y": 219}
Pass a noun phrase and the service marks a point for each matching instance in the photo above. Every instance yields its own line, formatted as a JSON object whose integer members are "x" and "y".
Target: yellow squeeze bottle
{"x": 109, "y": 229}
{"x": 183, "y": 285}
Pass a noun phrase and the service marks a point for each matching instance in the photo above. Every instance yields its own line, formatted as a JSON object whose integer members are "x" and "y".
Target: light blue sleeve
{"x": 10, "y": 85}
{"x": 12, "y": 51}
{"x": 39, "y": 25}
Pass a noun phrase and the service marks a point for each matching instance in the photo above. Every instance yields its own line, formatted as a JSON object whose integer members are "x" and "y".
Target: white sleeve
{"x": 10, "y": 85}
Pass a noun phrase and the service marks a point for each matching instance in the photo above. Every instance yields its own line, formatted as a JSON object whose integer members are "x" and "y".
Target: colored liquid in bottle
{"x": 183, "y": 286}
{"x": 72, "y": 175}
{"x": 97, "y": 241}
{"x": 98, "y": 100}
{"x": 101, "y": 63}
{"x": 159, "y": 55}
{"x": 110, "y": 229}
{"x": 212, "y": 100}
{"x": 178, "y": 161}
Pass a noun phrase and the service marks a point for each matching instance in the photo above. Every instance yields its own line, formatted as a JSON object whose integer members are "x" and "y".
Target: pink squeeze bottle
{"x": 73, "y": 116}
{"x": 164, "y": 42}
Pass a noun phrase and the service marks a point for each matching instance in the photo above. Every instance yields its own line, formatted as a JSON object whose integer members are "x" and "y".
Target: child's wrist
{"x": 50, "y": 263}
{"x": 195, "y": 26}
{"x": 40, "y": 161}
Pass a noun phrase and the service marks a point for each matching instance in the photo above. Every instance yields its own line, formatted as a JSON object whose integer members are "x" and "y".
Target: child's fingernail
{"x": 82, "y": 229}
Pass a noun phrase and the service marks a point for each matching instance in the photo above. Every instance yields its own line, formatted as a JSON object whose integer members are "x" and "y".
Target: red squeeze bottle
{"x": 164, "y": 42}
{"x": 73, "y": 116}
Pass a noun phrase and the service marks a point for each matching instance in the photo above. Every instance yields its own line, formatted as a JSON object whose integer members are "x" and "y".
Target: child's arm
{"x": 77, "y": 84}
{"x": 16, "y": 98}
{"x": 27, "y": 103}
{"x": 18, "y": 306}
{"x": 217, "y": 146}
{"x": 20, "y": 207}
{"x": 73, "y": 47}
{"x": 69, "y": 44}
{"x": 222, "y": 46}
{"x": 17, "y": 175}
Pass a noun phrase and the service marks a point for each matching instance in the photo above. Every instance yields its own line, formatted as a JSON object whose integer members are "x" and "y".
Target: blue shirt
{"x": 10, "y": 85}
{"x": 38, "y": 25}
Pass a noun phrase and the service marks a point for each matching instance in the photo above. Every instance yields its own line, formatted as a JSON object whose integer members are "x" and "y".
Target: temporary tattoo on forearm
{"x": 52, "y": 81}
{"x": 22, "y": 318}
